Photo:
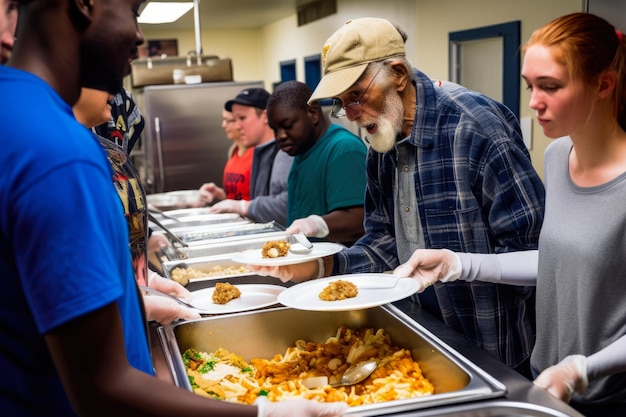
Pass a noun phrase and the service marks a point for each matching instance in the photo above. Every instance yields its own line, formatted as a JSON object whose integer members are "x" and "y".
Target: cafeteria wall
{"x": 256, "y": 53}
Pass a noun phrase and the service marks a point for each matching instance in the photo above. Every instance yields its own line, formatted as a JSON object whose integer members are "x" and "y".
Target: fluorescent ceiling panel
{"x": 163, "y": 12}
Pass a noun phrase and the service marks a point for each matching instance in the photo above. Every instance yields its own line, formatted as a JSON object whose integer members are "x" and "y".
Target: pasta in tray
{"x": 184, "y": 274}
{"x": 226, "y": 376}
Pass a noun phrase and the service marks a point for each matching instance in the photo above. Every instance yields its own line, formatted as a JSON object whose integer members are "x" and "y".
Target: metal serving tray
{"x": 200, "y": 211}
{"x": 189, "y": 222}
{"x": 232, "y": 245}
{"x": 202, "y": 227}
{"x": 493, "y": 408}
{"x": 205, "y": 264}
{"x": 204, "y": 235}
{"x": 268, "y": 332}
{"x": 174, "y": 199}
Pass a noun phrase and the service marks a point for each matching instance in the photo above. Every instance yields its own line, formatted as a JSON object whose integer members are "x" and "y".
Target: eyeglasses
{"x": 337, "y": 110}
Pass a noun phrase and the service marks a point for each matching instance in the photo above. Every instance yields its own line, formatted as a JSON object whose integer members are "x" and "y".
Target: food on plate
{"x": 182, "y": 275}
{"x": 226, "y": 376}
{"x": 275, "y": 249}
{"x": 339, "y": 290}
{"x": 225, "y": 292}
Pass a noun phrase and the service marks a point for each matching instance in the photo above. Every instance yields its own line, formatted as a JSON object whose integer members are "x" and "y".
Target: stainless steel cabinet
{"x": 184, "y": 144}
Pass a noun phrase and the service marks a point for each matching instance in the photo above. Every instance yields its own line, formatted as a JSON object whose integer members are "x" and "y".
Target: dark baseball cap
{"x": 253, "y": 97}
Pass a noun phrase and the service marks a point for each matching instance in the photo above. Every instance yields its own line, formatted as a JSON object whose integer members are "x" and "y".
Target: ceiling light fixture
{"x": 163, "y": 12}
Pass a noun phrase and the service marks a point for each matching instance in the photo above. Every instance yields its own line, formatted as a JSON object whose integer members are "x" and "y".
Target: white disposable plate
{"x": 253, "y": 296}
{"x": 372, "y": 292}
{"x": 320, "y": 249}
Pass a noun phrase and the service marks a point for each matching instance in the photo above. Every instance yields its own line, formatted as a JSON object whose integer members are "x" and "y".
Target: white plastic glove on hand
{"x": 299, "y": 408}
{"x": 567, "y": 376}
{"x": 428, "y": 266}
{"x": 311, "y": 226}
{"x": 231, "y": 206}
{"x": 210, "y": 192}
{"x": 164, "y": 310}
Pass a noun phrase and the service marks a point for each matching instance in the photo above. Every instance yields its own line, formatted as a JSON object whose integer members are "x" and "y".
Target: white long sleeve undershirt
{"x": 514, "y": 268}
{"x": 520, "y": 268}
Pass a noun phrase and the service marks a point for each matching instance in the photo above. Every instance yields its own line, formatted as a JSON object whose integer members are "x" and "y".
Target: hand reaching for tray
{"x": 296, "y": 273}
{"x": 161, "y": 309}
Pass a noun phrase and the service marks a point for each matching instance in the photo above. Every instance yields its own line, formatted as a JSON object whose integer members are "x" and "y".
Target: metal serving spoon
{"x": 303, "y": 245}
{"x": 356, "y": 373}
{"x": 165, "y": 215}
{"x": 167, "y": 231}
{"x": 353, "y": 375}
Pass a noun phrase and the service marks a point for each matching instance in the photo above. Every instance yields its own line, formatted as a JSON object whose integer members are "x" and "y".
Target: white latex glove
{"x": 162, "y": 309}
{"x": 311, "y": 226}
{"x": 210, "y": 192}
{"x": 166, "y": 311}
{"x": 567, "y": 376}
{"x": 157, "y": 241}
{"x": 231, "y": 206}
{"x": 428, "y": 266}
{"x": 299, "y": 407}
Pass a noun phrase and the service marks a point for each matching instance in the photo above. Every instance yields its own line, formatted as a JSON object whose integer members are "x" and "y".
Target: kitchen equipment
{"x": 265, "y": 333}
{"x": 175, "y": 199}
{"x": 353, "y": 375}
{"x": 184, "y": 145}
{"x": 235, "y": 244}
{"x": 203, "y": 235}
{"x": 494, "y": 408}
{"x": 169, "y": 234}
{"x": 156, "y": 211}
{"x": 303, "y": 245}
{"x": 189, "y": 223}
{"x": 356, "y": 373}
{"x": 212, "y": 267}
{"x": 157, "y": 70}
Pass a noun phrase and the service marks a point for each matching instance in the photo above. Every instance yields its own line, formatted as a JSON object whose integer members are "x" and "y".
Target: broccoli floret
{"x": 206, "y": 367}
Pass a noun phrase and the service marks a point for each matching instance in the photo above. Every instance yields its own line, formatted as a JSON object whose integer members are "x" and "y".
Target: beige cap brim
{"x": 334, "y": 83}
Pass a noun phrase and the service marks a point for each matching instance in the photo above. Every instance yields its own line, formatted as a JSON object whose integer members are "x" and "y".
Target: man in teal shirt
{"x": 326, "y": 184}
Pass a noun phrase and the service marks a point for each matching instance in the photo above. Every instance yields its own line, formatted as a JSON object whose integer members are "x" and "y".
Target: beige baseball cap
{"x": 350, "y": 49}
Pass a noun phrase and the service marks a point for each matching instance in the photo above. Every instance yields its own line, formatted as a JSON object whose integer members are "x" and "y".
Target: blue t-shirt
{"x": 329, "y": 176}
{"x": 63, "y": 243}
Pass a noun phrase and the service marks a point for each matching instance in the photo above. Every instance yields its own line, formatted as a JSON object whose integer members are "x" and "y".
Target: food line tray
{"x": 255, "y": 334}
{"x": 232, "y": 245}
{"x": 207, "y": 257}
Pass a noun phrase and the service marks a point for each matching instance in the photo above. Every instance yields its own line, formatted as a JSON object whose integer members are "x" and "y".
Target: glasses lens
{"x": 336, "y": 110}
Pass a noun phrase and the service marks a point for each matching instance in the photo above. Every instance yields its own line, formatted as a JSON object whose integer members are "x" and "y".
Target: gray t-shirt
{"x": 581, "y": 286}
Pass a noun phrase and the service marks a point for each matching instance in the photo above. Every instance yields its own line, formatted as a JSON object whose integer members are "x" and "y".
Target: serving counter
{"x": 468, "y": 381}
{"x": 520, "y": 398}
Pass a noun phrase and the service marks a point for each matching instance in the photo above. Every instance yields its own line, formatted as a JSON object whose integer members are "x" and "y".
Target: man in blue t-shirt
{"x": 73, "y": 335}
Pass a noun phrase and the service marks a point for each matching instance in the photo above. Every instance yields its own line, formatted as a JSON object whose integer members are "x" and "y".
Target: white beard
{"x": 389, "y": 125}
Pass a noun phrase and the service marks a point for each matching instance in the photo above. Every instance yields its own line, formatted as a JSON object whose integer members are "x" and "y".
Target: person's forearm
{"x": 110, "y": 386}
{"x": 610, "y": 360}
{"x": 514, "y": 268}
{"x": 345, "y": 225}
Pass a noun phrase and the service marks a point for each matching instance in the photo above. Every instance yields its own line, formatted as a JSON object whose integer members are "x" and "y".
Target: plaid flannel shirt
{"x": 476, "y": 191}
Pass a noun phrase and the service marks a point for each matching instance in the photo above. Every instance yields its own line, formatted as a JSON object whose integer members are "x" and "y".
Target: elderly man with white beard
{"x": 447, "y": 169}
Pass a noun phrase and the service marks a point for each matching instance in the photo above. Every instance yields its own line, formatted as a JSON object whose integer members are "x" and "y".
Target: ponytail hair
{"x": 587, "y": 45}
